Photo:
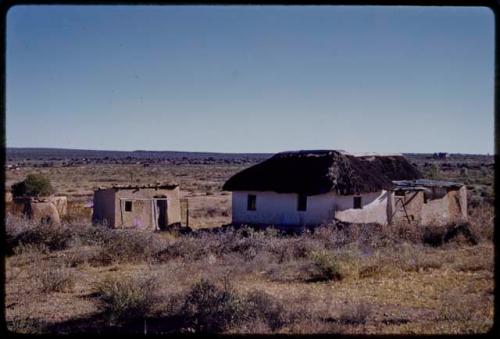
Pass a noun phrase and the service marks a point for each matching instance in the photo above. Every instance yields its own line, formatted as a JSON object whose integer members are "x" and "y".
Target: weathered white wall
{"x": 281, "y": 208}
{"x": 373, "y": 211}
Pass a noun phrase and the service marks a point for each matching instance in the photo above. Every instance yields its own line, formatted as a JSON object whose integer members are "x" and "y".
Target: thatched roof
{"x": 317, "y": 172}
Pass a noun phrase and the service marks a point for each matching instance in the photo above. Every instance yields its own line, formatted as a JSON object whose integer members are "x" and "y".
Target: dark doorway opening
{"x": 161, "y": 207}
{"x": 357, "y": 202}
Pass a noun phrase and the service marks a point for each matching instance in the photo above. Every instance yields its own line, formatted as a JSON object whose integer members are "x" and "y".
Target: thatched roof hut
{"x": 322, "y": 171}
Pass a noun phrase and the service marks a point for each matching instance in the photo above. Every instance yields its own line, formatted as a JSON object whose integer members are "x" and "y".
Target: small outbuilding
{"x": 151, "y": 207}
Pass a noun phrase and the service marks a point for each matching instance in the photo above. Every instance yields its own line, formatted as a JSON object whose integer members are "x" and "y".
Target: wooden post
{"x": 187, "y": 212}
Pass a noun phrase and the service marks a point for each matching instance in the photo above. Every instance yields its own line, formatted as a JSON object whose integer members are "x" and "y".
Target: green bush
{"x": 34, "y": 185}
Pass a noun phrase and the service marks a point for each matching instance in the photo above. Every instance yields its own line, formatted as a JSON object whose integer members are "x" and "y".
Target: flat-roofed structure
{"x": 152, "y": 207}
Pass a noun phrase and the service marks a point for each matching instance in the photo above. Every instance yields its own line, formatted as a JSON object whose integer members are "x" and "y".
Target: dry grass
{"x": 398, "y": 288}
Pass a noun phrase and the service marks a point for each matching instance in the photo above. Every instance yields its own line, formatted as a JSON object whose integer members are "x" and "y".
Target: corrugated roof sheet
{"x": 426, "y": 183}
{"x": 157, "y": 186}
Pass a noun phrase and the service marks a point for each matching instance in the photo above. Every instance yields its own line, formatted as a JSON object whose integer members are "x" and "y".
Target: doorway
{"x": 161, "y": 212}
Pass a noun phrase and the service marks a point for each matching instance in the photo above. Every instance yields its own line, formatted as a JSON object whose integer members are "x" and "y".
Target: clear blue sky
{"x": 251, "y": 79}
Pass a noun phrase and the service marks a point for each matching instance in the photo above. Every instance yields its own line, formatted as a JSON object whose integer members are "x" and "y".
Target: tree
{"x": 34, "y": 185}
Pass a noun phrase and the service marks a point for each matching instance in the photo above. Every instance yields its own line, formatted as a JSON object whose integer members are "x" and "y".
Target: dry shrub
{"x": 55, "y": 279}
{"x": 422, "y": 263}
{"x": 77, "y": 212}
{"x": 245, "y": 242}
{"x": 31, "y": 250}
{"x": 433, "y": 235}
{"x": 86, "y": 255}
{"x": 475, "y": 263}
{"x": 52, "y": 236}
{"x": 130, "y": 246}
{"x": 439, "y": 235}
{"x": 323, "y": 266}
{"x": 91, "y": 235}
{"x": 189, "y": 247}
{"x": 126, "y": 298}
{"x": 297, "y": 247}
{"x": 356, "y": 313}
{"x": 369, "y": 271}
{"x": 26, "y": 325}
{"x": 459, "y": 307}
{"x": 28, "y": 232}
{"x": 261, "y": 307}
{"x": 482, "y": 222}
{"x": 402, "y": 231}
{"x": 15, "y": 225}
{"x": 460, "y": 233}
{"x": 210, "y": 308}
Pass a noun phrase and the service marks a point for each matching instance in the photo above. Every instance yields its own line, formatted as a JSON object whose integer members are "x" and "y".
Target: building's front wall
{"x": 109, "y": 207}
{"x": 281, "y": 208}
{"x": 379, "y": 207}
{"x": 143, "y": 205}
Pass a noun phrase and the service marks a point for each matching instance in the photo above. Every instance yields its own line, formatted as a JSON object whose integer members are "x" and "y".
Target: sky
{"x": 251, "y": 78}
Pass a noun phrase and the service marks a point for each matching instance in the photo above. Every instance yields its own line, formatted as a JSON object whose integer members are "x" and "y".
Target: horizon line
{"x": 215, "y": 152}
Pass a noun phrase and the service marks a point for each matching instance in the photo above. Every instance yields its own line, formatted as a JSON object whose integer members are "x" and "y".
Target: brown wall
{"x": 45, "y": 211}
{"x": 413, "y": 207}
{"x": 37, "y": 210}
{"x": 451, "y": 207}
{"x": 61, "y": 204}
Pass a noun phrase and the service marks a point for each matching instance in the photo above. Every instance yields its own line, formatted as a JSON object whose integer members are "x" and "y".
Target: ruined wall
{"x": 449, "y": 207}
{"x": 452, "y": 208}
{"x": 38, "y": 211}
{"x": 413, "y": 203}
{"x": 373, "y": 212}
{"x": 44, "y": 212}
{"x": 61, "y": 204}
{"x": 445, "y": 208}
{"x": 462, "y": 195}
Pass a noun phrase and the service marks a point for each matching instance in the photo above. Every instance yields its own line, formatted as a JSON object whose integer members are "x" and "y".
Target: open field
{"x": 361, "y": 279}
